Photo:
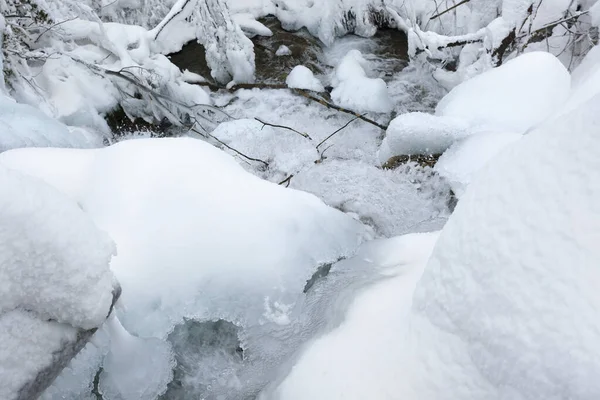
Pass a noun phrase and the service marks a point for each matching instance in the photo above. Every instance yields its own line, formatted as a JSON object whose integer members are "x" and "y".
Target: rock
{"x": 424, "y": 160}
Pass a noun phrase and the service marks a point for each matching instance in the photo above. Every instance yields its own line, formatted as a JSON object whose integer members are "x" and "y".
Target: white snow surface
{"x": 54, "y": 277}
{"x": 303, "y": 78}
{"x": 515, "y": 96}
{"x": 283, "y": 50}
{"x": 25, "y": 126}
{"x": 421, "y": 133}
{"x": 353, "y": 89}
{"x": 251, "y": 26}
{"x": 508, "y": 304}
{"x": 462, "y": 161}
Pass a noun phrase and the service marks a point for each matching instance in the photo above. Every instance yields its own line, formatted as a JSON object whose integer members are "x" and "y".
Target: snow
{"x": 508, "y": 304}
{"x": 353, "y": 89}
{"x": 421, "y": 133}
{"x": 303, "y": 78}
{"x": 198, "y": 237}
{"x": 360, "y": 358}
{"x": 251, "y": 26}
{"x": 26, "y": 126}
{"x": 283, "y": 51}
{"x": 461, "y": 162}
{"x": 54, "y": 277}
{"x": 515, "y": 96}
{"x": 585, "y": 80}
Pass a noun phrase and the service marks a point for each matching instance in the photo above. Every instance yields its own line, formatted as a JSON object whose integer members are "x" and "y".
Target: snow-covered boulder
{"x": 514, "y": 97}
{"x": 508, "y": 306}
{"x": 353, "y": 89}
{"x": 461, "y": 162}
{"x": 303, "y": 78}
{"x": 198, "y": 236}
{"x": 421, "y": 133}
{"x": 55, "y": 282}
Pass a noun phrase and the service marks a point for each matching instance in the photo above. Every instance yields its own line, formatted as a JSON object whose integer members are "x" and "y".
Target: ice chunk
{"x": 303, "y": 78}
{"x": 353, "y": 89}
{"x": 515, "y": 96}
{"x": 421, "y": 133}
{"x": 461, "y": 162}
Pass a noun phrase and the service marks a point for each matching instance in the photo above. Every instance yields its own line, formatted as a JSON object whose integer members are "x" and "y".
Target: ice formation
{"x": 303, "y": 78}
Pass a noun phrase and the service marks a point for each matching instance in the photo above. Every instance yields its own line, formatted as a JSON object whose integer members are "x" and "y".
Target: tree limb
{"x": 305, "y": 135}
{"x": 449, "y": 9}
{"x": 330, "y": 136}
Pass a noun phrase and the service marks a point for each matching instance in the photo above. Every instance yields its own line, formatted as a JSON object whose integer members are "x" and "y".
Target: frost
{"x": 303, "y": 78}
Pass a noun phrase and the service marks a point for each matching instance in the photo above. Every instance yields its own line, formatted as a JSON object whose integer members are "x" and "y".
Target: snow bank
{"x": 515, "y": 96}
{"x": 198, "y": 237}
{"x": 461, "y": 162}
{"x": 359, "y": 359}
{"x": 54, "y": 278}
{"x": 251, "y": 26}
{"x": 26, "y": 126}
{"x": 585, "y": 79}
{"x": 508, "y": 304}
{"x": 302, "y": 78}
{"x": 420, "y": 133}
{"x": 354, "y": 90}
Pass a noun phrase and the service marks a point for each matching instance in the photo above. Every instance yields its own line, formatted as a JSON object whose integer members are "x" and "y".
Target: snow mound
{"x": 585, "y": 79}
{"x": 508, "y": 305}
{"x": 283, "y": 50}
{"x": 515, "y": 96}
{"x": 333, "y": 366}
{"x": 461, "y": 162}
{"x": 25, "y": 126}
{"x": 421, "y": 133}
{"x": 353, "y": 89}
{"x": 198, "y": 236}
{"x": 302, "y": 78}
{"x": 54, "y": 278}
{"x": 285, "y": 151}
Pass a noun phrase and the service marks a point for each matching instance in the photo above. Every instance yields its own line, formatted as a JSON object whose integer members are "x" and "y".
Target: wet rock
{"x": 424, "y": 160}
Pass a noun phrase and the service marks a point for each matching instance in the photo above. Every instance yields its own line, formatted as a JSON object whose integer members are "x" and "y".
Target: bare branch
{"x": 286, "y": 181}
{"x": 449, "y": 9}
{"x": 330, "y": 136}
{"x": 305, "y": 135}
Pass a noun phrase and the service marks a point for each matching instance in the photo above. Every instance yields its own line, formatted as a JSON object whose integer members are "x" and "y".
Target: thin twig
{"x": 329, "y": 137}
{"x": 305, "y": 135}
{"x": 266, "y": 164}
{"x": 54, "y": 26}
{"x": 449, "y": 9}
{"x": 286, "y": 181}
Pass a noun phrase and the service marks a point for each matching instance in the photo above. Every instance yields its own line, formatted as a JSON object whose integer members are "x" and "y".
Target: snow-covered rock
{"x": 353, "y": 89}
{"x": 421, "y": 133}
{"x": 303, "y": 78}
{"x": 198, "y": 236}
{"x": 55, "y": 281}
{"x": 515, "y": 96}
{"x": 283, "y": 50}
{"x": 461, "y": 162}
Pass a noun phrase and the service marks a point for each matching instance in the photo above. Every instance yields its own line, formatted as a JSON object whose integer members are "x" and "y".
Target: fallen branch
{"x": 304, "y": 93}
{"x": 330, "y": 136}
{"x": 239, "y": 86}
{"x": 266, "y": 164}
{"x": 305, "y": 135}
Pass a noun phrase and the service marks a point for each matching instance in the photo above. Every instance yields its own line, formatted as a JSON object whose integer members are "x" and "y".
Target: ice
{"x": 26, "y": 126}
{"x": 133, "y": 364}
{"x": 303, "y": 78}
{"x": 421, "y": 133}
{"x": 353, "y": 89}
{"x": 461, "y": 162}
{"x": 516, "y": 96}
{"x": 198, "y": 238}
{"x": 360, "y": 358}
{"x": 283, "y": 51}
